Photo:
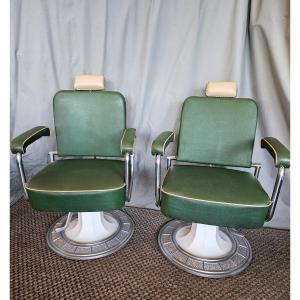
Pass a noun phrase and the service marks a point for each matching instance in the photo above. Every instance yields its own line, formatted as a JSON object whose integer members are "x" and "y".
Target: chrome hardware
{"x": 22, "y": 173}
{"x": 52, "y": 155}
{"x": 169, "y": 161}
{"x": 127, "y": 172}
{"x": 257, "y": 168}
{"x": 131, "y": 161}
{"x": 68, "y": 220}
{"x": 276, "y": 191}
{"x": 157, "y": 179}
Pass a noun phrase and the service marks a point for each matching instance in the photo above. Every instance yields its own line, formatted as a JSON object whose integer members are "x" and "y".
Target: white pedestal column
{"x": 90, "y": 227}
{"x": 205, "y": 241}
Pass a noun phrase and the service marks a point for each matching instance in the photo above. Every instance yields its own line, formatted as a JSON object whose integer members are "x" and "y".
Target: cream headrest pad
{"x": 221, "y": 89}
{"x": 89, "y": 82}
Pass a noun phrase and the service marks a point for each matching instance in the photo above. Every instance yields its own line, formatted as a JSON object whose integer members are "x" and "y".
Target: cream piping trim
{"x": 122, "y": 140}
{"x": 223, "y": 203}
{"x": 32, "y": 135}
{"x": 76, "y": 191}
{"x": 276, "y": 158}
{"x": 167, "y": 140}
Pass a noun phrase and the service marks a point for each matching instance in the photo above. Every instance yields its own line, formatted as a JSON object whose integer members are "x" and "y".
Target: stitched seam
{"x": 222, "y": 203}
{"x": 75, "y": 191}
{"x": 167, "y": 141}
{"x": 276, "y": 158}
{"x": 32, "y": 136}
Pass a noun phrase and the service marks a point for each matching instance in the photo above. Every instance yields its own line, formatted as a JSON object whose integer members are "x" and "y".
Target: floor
{"x": 139, "y": 270}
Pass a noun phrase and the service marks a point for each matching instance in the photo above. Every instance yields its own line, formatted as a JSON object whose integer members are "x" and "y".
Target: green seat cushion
{"x": 78, "y": 185}
{"x": 214, "y": 196}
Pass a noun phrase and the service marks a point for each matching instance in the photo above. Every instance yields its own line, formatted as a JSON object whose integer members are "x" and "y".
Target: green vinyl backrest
{"x": 89, "y": 122}
{"x": 217, "y": 131}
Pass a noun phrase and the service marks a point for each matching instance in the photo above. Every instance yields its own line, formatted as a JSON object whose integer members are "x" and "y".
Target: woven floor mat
{"x": 139, "y": 270}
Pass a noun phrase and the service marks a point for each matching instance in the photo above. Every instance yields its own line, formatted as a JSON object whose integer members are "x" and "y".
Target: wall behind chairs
{"x": 156, "y": 53}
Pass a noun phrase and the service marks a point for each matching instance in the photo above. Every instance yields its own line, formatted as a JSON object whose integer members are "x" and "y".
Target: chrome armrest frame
{"x": 129, "y": 168}
{"x": 276, "y": 192}
{"x": 157, "y": 179}
{"x": 22, "y": 173}
{"x": 129, "y": 174}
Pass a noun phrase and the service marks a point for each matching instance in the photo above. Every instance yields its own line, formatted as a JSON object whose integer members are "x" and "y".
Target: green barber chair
{"x": 90, "y": 175}
{"x": 205, "y": 195}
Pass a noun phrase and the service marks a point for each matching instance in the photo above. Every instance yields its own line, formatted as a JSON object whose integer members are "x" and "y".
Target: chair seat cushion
{"x": 214, "y": 196}
{"x": 78, "y": 185}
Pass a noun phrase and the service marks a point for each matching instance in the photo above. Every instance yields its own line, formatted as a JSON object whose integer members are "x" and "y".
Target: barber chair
{"x": 89, "y": 176}
{"x": 204, "y": 193}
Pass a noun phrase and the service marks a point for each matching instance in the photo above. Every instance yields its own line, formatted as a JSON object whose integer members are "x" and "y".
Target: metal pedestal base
{"x": 232, "y": 264}
{"x": 67, "y": 248}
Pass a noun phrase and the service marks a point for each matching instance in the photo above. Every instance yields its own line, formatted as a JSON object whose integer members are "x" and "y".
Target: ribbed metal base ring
{"x": 232, "y": 264}
{"x": 67, "y": 248}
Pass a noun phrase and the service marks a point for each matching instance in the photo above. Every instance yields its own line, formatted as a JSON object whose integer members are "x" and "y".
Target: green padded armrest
{"x": 20, "y": 143}
{"x": 127, "y": 141}
{"x": 160, "y": 144}
{"x": 278, "y": 151}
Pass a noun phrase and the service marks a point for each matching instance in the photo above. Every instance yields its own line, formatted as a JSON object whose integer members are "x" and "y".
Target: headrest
{"x": 89, "y": 82}
{"x": 221, "y": 89}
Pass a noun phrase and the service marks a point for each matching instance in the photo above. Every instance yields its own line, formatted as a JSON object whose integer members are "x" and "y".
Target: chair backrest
{"x": 217, "y": 131}
{"x": 89, "y": 122}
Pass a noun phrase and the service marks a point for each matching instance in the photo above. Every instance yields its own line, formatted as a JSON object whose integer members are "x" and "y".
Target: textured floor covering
{"x": 138, "y": 271}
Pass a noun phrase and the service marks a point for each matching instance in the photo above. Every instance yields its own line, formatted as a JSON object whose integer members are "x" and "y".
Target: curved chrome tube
{"x": 157, "y": 179}
{"x": 131, "y": 162}
{"x": 127, "y": 168}
{"x": 276, "y": 191}
{"x": 22, "y": 173}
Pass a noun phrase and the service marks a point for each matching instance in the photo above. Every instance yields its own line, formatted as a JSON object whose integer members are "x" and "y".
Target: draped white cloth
{"x": 156, "y": 53}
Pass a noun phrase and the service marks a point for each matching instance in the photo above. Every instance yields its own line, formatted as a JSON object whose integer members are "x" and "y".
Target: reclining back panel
{"x": 89, "y": 122}
{"x": 217, "y": 131}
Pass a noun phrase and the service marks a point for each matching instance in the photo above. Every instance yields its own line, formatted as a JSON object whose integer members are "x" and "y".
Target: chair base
{"x": 232, "y": 263}
{"x": 61, "y": 244}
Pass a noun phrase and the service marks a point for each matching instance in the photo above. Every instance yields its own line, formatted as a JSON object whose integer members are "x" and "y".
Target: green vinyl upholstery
{"x": 215, "y": 196}
{"x": 20, "y": 143}
{"x": 83, "y": 185}
{"x": 89, "y": 122}
{"x": 278, "y": 151}
{"x": 217, "y": 131}
{"x": 127, "y": 141}
{"x": 160, "y": 144}
{"x": 217, "y": 134}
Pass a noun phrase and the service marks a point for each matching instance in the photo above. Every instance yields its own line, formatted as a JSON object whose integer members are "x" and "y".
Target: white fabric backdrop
{"x": 156, "y": 53}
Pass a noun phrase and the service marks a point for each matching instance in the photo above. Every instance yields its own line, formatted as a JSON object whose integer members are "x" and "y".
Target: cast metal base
{"x": 232, "y": 264}
{"x": 67, "y": 248}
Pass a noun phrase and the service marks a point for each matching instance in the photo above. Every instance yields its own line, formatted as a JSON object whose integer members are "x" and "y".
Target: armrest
{"x": 278, "y": 151}
{"x": 160, "y": 144}
{"x": 20, "y": 143}
{"x": 127, "y": 141}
